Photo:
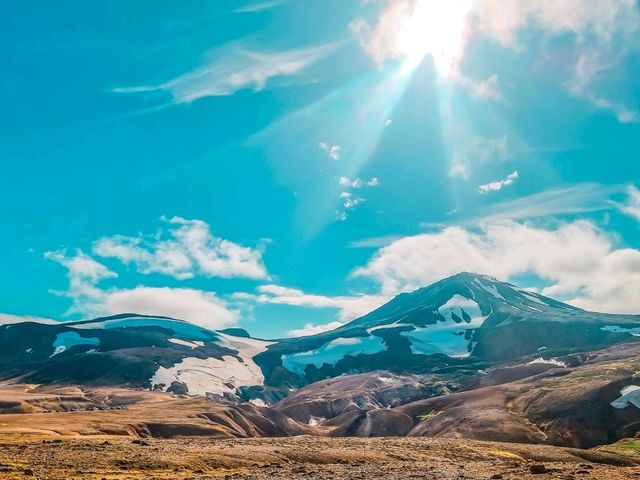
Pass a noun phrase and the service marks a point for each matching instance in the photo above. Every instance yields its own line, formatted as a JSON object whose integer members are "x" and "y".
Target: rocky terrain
{"x": 302, "y": 458}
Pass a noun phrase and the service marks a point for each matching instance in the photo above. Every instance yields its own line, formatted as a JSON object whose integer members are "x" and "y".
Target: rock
{"x": 538, "y": 468}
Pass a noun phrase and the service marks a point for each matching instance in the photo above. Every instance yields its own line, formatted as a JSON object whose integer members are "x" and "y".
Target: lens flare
{"x": 436, "y": 28}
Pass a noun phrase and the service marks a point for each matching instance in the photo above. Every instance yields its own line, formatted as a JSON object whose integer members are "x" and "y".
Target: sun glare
{"x": 436, "y": 28}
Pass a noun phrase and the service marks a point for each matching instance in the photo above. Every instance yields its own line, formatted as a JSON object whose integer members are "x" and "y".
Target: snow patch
{"x": 548, "y": 361}
{"x": 66, "y": 340}
{"x": 182, "y": 330}
{"x": 388, "y": 326}
{"x": 213, "y": 375}
{"x": 387, "y": 380}
{"x": 629, "y": 395}
{"x": 448, "y": 336}
{"x": 635, "y": 331}
{"x": 532, "y": 297}
{"x": 490, "y": 289}
{"x": 187, "y": 343}
{"x": 332, "y": 352}
{"x": 459, "y": 308}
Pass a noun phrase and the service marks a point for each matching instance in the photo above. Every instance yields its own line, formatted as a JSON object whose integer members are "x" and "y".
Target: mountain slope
{"x": 131, "y": 350}
{"x": 454, "y": 328}
{"x": 464, "y": 322}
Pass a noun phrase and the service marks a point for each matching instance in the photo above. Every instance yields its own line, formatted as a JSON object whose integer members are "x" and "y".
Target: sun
{"x": 436, "y": 28}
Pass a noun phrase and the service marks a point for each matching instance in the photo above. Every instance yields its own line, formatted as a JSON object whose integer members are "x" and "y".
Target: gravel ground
{"x": 300, "y": 458}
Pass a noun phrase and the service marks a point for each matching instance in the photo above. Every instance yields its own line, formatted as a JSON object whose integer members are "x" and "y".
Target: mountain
{"x": 460, "y": 324}
{"x": 132, "y": 350}
{"x": 453, "y": 328}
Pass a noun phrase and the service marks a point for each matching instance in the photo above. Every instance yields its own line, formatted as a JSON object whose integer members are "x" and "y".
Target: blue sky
{"x": 286, "y": 166}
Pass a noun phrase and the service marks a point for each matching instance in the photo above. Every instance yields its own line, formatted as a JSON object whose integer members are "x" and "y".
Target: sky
{"x": 286, "y": 166}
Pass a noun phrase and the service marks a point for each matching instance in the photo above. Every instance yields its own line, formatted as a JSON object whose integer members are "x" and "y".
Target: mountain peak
{"x": 491, "y": 297}
{"x": 469, "y": 277}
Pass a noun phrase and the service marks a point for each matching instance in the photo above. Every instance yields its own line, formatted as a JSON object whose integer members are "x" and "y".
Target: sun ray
{"x": 433, "y": 28}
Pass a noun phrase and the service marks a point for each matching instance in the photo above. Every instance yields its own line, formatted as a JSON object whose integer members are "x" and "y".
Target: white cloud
{"x": 379, "y": 41}
{"x": 9, "y": 319}
{"x": 498, "y": 184}
{"x": 83, "y": 273}
{"x": 632, "y": 206}
{"x": 234, "y": 68}
{"x": 358, "y": 182}
{"x": 88, "y": 299}
{"x": 349, "y": 201}
{"x": 311, "y": 329}
{"x": 195, "y": 306}
{"x": 604, "y": 29}
{"x": 334, "y": 151}
{"x": 486, "y": 89}
{"x": 595, "y": 27}
{"x": 373, "y": 182}
{"x": 346, "y": 181}
{"x": 577, "y": 260}
{"x": 350, "y": 307}
{"x": 604, "y": 19}
{"x": 189, "y": 250}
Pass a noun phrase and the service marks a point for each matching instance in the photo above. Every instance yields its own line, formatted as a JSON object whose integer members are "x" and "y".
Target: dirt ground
{"x": 299, "y": 458}
{"x": 72, "y": 433}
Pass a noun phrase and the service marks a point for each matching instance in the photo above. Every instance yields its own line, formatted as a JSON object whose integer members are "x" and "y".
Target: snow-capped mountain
{"x": 463, "y": 322}
{"x": 460, "y": 324}
{"x": 134, "y": 350}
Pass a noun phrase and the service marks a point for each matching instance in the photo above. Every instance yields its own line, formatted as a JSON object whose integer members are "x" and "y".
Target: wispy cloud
{"x": 471, "y": 150}
{"x": 568, "y": 200}
{"x": 233, "y": 68}
{"x": 349, "y": 307}
{"x": 590, "y": 66}
{"x": 374, "y": 242}
{"x": 632, "y": 205}
{"x": 574, "y": 199}
{"x": 253, "y": 7}
{"x": 498, "y": 184}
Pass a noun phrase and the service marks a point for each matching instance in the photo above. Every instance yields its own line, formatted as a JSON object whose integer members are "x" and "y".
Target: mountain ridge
{"x": 460, "y": 324}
